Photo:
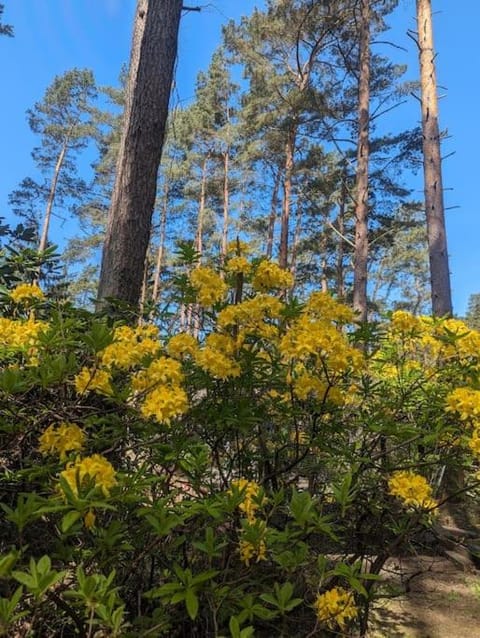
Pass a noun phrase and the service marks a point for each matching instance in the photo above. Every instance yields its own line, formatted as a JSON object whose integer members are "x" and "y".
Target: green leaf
{"x": 191, "y": 603}
{"x": 69, "y": 519}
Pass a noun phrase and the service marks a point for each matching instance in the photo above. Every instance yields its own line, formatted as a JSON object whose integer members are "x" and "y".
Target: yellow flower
{"x": 164, "y": 403}
{"x": 474, "y": 443}
{"x": 93, "y": 380}
{"x": 182, "y": 344}
{"x": 161, "y": 371}
{"x": 209, "y": 286}
{"x": 412, "y": 488}
{"x": 26, "y": 292}
{"x": 238, "y": 265}
{"x": 89, "y": 519}
{"x": 253, "y": 497}
{"x": 465, "y": 402}
{"x": 249, "y": 551}
{"x": 335, "y": 607}
{"x": 62, "y": 439}
{"x": 269, "y": 275}
{"x": 130, "y": 346}
{"x": 91, "y": 468}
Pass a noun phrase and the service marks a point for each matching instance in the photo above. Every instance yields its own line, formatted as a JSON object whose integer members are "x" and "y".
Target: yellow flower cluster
{"x": 404, "y": 323}
{"x": 254, "y": 316}
{"x": 208, "y": 285}
{"x": 181, "y": 345}
{"x": 465, "y": 402}
{"x": 64, "y": 438}
{"x": 160, "y": 383}
{"x": 250, "y": 551}
{"x": 130, "y": 346}
{"x": 269, "y": 275}
{"x": 322, "y": 305}
{"x": 413, "y": 489}
{"x": 93, "y": 380}
{"x": 25, "y": 293}
{"x": 253, "y": 546}
{"x": 238, "y": 264}
{"x": 308, "y": 338}
{"x": 336, "y": 607}
{"x": 20, "y": 335}
{"x": 217, "y": 356}
{"x": 253, "y": 497}
{"x": 94, "y": 468}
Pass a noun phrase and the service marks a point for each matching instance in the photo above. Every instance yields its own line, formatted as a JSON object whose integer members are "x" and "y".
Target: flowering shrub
{"x": 250, "y": 471}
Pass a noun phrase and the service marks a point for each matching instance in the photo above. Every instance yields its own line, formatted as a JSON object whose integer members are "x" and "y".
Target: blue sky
{"x": 52, "y": 36}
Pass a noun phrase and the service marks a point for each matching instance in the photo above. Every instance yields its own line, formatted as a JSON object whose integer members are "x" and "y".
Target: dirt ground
{"x": 428, "y": 597}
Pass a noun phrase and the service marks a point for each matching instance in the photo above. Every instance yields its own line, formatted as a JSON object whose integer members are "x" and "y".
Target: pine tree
{"x": 5, "y": 29}
{"x": 432, "y": 165}
{"x": 63, "y": 122}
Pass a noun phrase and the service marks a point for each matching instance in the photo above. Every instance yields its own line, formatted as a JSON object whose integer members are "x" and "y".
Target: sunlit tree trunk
{"x": 226, "y": 205}
{"x": 360, "y": 260}
{"x": 51, "y": 198}
{"x": 273, "y": 216}
{"x": 432, "y": 166}
{"x": 161, "y": 247}
{"x": 287, "y": 196}
{"x": 153, "y": 54}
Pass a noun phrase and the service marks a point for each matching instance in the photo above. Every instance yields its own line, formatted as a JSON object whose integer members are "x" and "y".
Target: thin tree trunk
{"x": 161, "y": 247}
{"x": 51, "y": 198}
{"x": 273, "y": 216}
{"x": 226, "y": 205}
{"x": 296, "y": 238}
{"x": 432, "y": 166}
{"x": 360, "y": 263}
{"x": 340, "y": 275}
{"x": 201, "y": 210}
{"x": 154, "y": 50}
{"x": 287, "y": 196}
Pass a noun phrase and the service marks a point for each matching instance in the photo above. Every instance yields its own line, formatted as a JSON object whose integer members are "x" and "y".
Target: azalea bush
{"x": 242, "y": 467}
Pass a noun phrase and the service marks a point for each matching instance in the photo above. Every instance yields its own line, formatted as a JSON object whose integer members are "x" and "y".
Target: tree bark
{"x": 340, "y": 274}
{"x": 287, "y": 196}
{"x": 360, "y": 261}
{"x": 201, "y": 209}
{"x": 432, "y": 166}
{"x": 154, "y": 50}
{"x": 51, "y": 198}
{"x": 226, "y": 205}
{"x": 273, "y": 216}
{"x": 161, "y": 246}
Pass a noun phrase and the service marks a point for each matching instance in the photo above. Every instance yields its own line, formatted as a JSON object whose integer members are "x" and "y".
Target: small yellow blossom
{"x": 336, "y": 607}
{"x": 208, "y": 285}
{"x": 130, "y": 346}
{"x": 182, "y": 344}
{"x": 91, "y": 468}
{"x": 249, "y": 551}
{"x": 238, "y": 264}
{"x": 25, "y": 293}
{"x": 412, "y": 488}
{"x": 253, "y": 497}
{"x": 269, "y": 275}
{"x": 89, "y": 519}
{"x": 62, "y": 439}
{"x": 465, "y": 402}
{"x": 164, "y": 403}
{"x": 93, "y": 380}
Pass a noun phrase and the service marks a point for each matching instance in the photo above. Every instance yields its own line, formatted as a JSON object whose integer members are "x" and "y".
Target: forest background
{"x": 54, "y": 36}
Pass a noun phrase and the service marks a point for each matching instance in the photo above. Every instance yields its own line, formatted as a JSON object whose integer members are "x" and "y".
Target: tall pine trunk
{"x": 273, "y": 216}
{"x": 287, "y": 196}
{"x": 154, "y": 50}
{"x": 51, "y": 198}
{"x": 360, "y": 260}
{"x": 432, "y": 166}
{"x": 161, "y": 246}
{"x": 226, "y": 205}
